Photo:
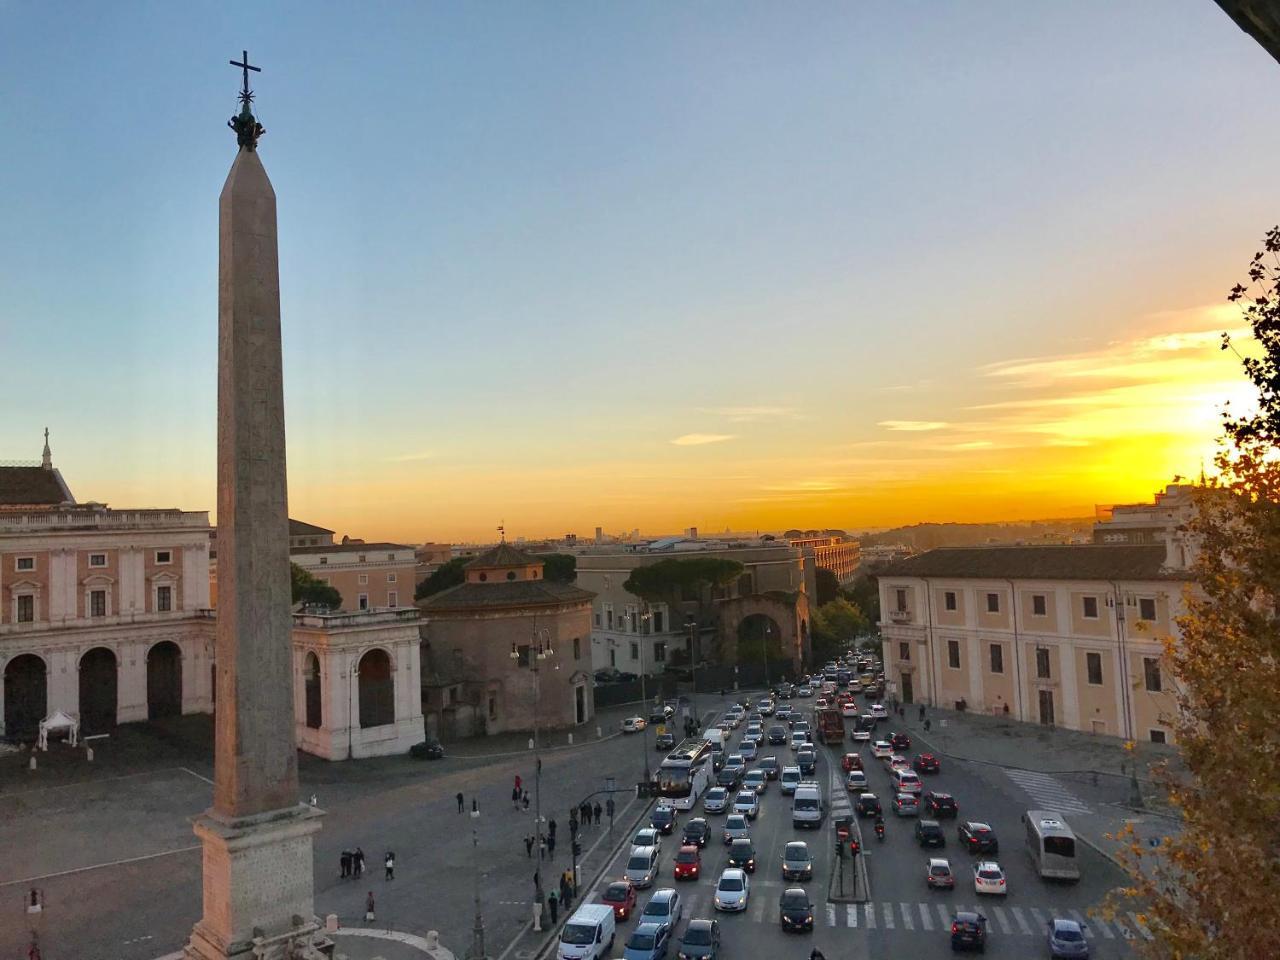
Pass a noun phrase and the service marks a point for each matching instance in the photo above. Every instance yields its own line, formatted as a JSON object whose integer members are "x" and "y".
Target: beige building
{"x": 1063, "y": 635}
{"x": 370, "y": 576}
{"x": 481, "y": 639}
{"x": 832, "y": 550}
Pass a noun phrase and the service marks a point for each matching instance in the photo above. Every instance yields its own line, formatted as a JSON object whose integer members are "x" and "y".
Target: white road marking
{"x": 100, "y": 866}
{"x": 852, "y": 917}
{"x": 197, "y": 776}
{"x": 831, "y": 914}
{"x": 1022, "y": 924}
{"x": 944, "y": 916}
{"x": 1002, "y": 920}
{"x": 755, "y": 909}
{"x": 1048, "y": 792}
{"x": 1124, "y": 931}
{"x": 905, "y": 909}
{"x": 888, "y": 915}
{"x": 869, "y": 915}
{"x": 1041, "y": 920}
{"x": 926, "y": 920}
{"x": 1140, "y": 927}
{"x": 1084, "y": 924}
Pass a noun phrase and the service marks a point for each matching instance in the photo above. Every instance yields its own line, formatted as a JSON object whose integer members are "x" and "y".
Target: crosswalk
{"x": 927, "y": 917}
{"x": 1047, "y": 792}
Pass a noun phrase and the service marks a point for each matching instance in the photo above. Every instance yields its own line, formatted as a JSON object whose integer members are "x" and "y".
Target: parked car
{"x": 795, "y": 909}
{"x": 732, "y": 890}
{"x": 1067, "y": 938}
{"x": 797, "y": 864}
{"x": 715, "y": 800}
{"x": 978, "y": 837}
{"x": 427, "y": 750}
{"x": 929, "y": 834}
{"x": 938, "y": 875}
{"x": 968, "y": 931}
{"x": 701, "y": 941}
{"x": 926, "y": 763}
{"x": 620, "y": 895}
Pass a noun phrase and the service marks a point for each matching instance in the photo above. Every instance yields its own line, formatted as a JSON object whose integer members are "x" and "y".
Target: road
{"x": 902, "y": 917}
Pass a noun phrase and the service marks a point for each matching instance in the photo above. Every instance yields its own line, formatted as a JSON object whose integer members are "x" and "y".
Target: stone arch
{"x": 787, "y": 611}
{"x": 99, "y": 674}
{"x": 377, "y": 688}
{"x": 26, "y": 696}
{"x": 164, "y": 680}
{"x": 311, "y": 686}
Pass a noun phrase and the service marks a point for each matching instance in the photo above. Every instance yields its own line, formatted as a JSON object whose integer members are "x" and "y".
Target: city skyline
{"x": 856, "y": 271}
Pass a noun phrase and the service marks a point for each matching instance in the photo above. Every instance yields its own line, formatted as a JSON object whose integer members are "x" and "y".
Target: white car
{"x": 736, "y": 828}
{"x": 798, "y": 739}
{"x": 862, "y": 736}
{"x": 633, "y": 724}
{"x": 748, "y": 749}
{"x": 747, "y": 803}
{"x": 849, "y": 709}
{"x": 988, "y": 878}
{"x": 879, "y": 712}
{"x": 735, "y": 761}
{"x": 732, "y": 890}
{"x": 756, "y": 780}
{"x": 767, "y": 707}
{"x": 664, "y": 906}
{"x": 898, "y": 762}
{"x": 856, "y": 781}
{"x": 716, "y": 800}
{"x": 789, "y": 779}
{"x": 882, "y": 750}
{"x": 648, "y": 837}
{"x": 805, "y": 691}
{"x": 821, "y": 703}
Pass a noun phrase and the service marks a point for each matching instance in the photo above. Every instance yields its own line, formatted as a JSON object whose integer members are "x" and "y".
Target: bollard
{"x": 88, "y": 754}
{"x": 331, "y": 923}
{"x": 32, "y": 764}
{"x": 531, "y": 743}
{"x": 571, "y": 739}
{"x": 537, "y": 917}
{"x": 599, "y": 733}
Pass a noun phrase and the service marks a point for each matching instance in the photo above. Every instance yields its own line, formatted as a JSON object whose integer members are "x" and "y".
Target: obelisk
{"x": 258, "y": 866}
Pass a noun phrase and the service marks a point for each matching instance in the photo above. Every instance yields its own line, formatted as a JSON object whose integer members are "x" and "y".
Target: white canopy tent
{"x": 59, "y": 722}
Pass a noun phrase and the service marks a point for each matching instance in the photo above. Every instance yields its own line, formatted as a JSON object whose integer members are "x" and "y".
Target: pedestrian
{"x": 551, "y": 826}
{"x": 459, "y": 798}
{"x": 927, "y": 725}
{"x": 359, "y": 863}
{"x": 551, "y": 846}
{"x": 345, "y": 864}
{"x": 566, "y": 890}
{"x": 551, "y": 904}
{"x": 528, "y": 846}
{"x": 1006, "y": 708}
{"x": 391, "y": 865}
{"x": 368, "y": 908}
{"x": 922, "y": 713}
{"x": 524, "y": 802}
{"x": 595, "y": 813}
{"x": 515, "y": 798}
{"x": 517, "y": 783}
{"x": 608, "y": 806}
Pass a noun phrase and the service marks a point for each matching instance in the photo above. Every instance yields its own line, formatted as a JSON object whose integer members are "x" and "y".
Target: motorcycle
{"x": 880, "y": 830}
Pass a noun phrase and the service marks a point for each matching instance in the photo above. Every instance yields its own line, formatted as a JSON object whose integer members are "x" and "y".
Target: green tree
{"x": 864, "y": 593}
{"x": 559, "y": 567}
{"x": 834, "y": 627}
{"x": 828, "y": 585}
{"x": 447, "y": 575}
{"x": 1210, "y": 892}
{"x": 310, "y": 590}
{"x": 673, "y": 579}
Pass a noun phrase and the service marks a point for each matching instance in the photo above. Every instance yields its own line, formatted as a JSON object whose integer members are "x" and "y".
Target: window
{"x": 1039, "y": 606}
{"x": 391, "y": 578}
{"x": 493, "y": 708}
{"x": 902, "y": 601}
{"x": 391, "y": 556}
{"x": 1042, "y": 663}
{"x": 1090, "y": 608}
{"x": 511, "y": 574}
{"x": 97, "y": 559}
{"x": 362, "y": 579}
{"x": 635, "y": 650}
{"x": 953, "y": 654}
{"x": 659, "y": 653}
{"x": 1146, "y": 608}
{"x": 577, "y": 648}
{"x": 164, "y": 556}
{"x": 1093, "y": 666}
{"x": 482, "y": 577}
{"x": 24, "y": 563}
{"x": 949, "y": 599}
{"x": 608, "y": 612}
{"x": 324, "y": 560}
{"x": 26, "y": 608}
{"x": 904, "y": 651}
{"x": 997, "y": 658}
{"x": 97, "y": 603}
{"x": 1157, "y": 736}
{"x": 393, "y": 598}
{"x": 362, "y": 601}
{"x": 164, "y": 599}
{"x": 1151, "y": 673}
{"x": 362, "y": 558}
{"x": 993, "y": 603}
{"x": 657, "y": 621}
{"x": 597, "y": 619}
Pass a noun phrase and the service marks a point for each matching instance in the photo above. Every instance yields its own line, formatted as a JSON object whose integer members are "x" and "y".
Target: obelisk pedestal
{"x": 258, "y": 864}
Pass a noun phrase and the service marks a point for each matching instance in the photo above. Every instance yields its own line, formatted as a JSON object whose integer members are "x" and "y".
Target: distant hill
{"x": 928, "y": 536}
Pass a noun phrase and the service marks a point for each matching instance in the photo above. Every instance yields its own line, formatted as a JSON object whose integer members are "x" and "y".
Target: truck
{"x": 830, "y": 726}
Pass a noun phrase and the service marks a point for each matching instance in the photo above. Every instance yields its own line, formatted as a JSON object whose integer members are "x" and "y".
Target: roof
{"x": 503, "y": 555}
{"x": 350, "y": 547}
{"x": 504, "y": 593}
{"x": 32, "y": 486}
{"x": 1056, "y": 562}
{"x": 299, "y": 529}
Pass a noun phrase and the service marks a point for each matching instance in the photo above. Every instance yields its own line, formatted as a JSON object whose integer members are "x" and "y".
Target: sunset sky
{"x": 747, "y": 265}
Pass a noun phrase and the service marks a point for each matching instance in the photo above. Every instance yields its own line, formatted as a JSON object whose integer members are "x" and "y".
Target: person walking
{"x": 551, "y": 826}
{"x": 517, "y": 783}
{"x": 552, "y": 904}
{"x": 368, "y": 908}
{"x": 608, "y": 807}
{"x": 566, "y": 891}
{"x": 524, "y": 802}
{"x": 515, "y": 798}
{"x": 927, "y": 725}
{"x": 922, "y": 713}
{"x": 595, "y": 813}
{"x": 359, "y": 863}
{"x": 459, "y": 799}
{"x": 390, "y": 863}
{"x": 551, "y": 846}
{"x": 345, "y": 862}
{"x": 528, "y": 846}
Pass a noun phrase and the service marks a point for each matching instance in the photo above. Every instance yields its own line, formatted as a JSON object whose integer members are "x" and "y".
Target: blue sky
{"x": 527, "y": 246}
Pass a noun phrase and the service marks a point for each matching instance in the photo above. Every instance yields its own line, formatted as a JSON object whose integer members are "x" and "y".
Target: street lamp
{"x": 692, "y": 623}
{"x": 539, "y": 650}
{"x": 645, "y": 617}
{"x": 768, "y": 629}
{"x": 477, "y": 931}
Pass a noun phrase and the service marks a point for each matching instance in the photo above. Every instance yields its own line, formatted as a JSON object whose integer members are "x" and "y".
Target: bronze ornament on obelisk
{"x": 258, "y": 865}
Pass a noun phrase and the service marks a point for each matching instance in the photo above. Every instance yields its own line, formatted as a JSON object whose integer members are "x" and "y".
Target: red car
{"x": 851, "y": 761}
{"x": 926, "y": 763}
{"x": 620, "y": 895}
{"x": 688, "y": 863}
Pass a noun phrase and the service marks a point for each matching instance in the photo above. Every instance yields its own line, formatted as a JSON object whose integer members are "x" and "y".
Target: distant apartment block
{"x": 370, "y": 576}
{"x": 1157, "y": 522}
{"x": 832, "y": 550}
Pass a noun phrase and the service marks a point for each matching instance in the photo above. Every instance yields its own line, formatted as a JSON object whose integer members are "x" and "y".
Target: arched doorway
{"x": 164, "y": 680}
{"x": 377, "y": 690}
{"x": 98, "y": 674}
{"x": 25, "y": 696}
{"x": 311, "y": 682}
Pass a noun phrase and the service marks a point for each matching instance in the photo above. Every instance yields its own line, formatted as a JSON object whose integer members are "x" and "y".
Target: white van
{"x": 588, "y": 934}
{"x": 807, "y": 808}
{"x": 791, "y": 778}
{"x": 642, "y": 866}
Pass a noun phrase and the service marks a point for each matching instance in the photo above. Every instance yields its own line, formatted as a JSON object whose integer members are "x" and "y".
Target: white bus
{"x": 685, "y": 773}
{"x": 1051, "y": 845}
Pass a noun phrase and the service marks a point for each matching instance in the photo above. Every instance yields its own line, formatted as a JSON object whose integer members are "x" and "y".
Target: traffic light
{"x": 839, "y": 849}
{"x": 577, "y": 848}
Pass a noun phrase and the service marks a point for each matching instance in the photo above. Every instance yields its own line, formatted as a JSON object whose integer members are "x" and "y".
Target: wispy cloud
{"x": 751, "y": 414}
{"x": 699, "y": 439}
{"x": 913, "y": 426}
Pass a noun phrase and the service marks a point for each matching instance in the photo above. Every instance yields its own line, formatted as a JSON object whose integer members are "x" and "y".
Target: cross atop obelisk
{"x": 246, "y": 126}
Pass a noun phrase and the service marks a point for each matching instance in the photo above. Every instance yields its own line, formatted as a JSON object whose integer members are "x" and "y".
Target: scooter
{"x": 879, "y": 830}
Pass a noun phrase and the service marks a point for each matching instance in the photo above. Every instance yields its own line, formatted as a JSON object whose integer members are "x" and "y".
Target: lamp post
{"x": 539, "y": 650}
{"x": 691, "y": 622}
{"x": 477, "y": 931}
{"x": 768, "y": 629}
{"x": 645, "y": 617}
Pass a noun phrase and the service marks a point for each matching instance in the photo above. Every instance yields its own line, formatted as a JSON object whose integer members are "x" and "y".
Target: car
{"x": 770, "y": 766}
{"x": 732, "y": 890}
{"x": 715, "y": 800}
{"x": 756, "y": 779}
{"x": 856, "y": 781}
{"x": 805, "y": 691}
{"x": 648, "y": 941}
{"x": 725, "y": 726}
{"x": 789, "y": 778}
{"x": 664, "y": 906}
{"x": 867, "y": 805}
{"x": 802, "y": 726}
{"x": 688, "y": 862}
{"x": 620, "y": 895}
{"x": 747, "y": 803}
{"x": 785, "y": 691}
{"x": 881, "y": 750}
{"x": 783, "y": 712}
{"x": 748, "y": 749}
{"x": 696, "y": 831}
{"x": 926, "y": 763}
{"x": 968, "y": 931}
{"x": 647, "y": 837}
{"x": 898, "y": 762}
{"x": 851, "y": 761}
{"x": 663, "y": 818}
{"x": 989, "y": 878}
{"x": 905, "y": 780}
{"x": 978, "y": 837}
{"x": 820, "y": 704}
{"x": 906, "y": 805}
{"x": 767, "y": 707}
{"x": 938, "y": 874}
{"x": 878, "y": 711}
{"x": 736, "y": 828}
{"x": 899, "y": 740}
{"x": 701, "y": 941}
{"x": 797, "y": 864}
{"x": 860, "y": 736}
{"x": 729, "y": 778}
{"x": 798, "y": 739}
{"x": 849, "y": 709}
{"x": 661, "y": 714}
{"x": 807, "y": 760}
{"x": 1067, "y": 938}
{"x": 742, "y": 854}
{"x": 429, "y": 749}
{"x": 754, "y": 729}
{"x": 664, "y": 741}
{"x": 633, "y": 724}
{"x": 940, "y": 804}
{"x": 929, "y": 833}
{"x": 795, "y": 909}
{"x": 736, "y": 760}
{"x": 777, "y": 735}
{"x": 642, "y": 866}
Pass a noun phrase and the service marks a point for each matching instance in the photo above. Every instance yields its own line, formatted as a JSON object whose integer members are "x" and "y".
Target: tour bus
{"x": 685, "y": 773}
{"x": 1051, "y": 845}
